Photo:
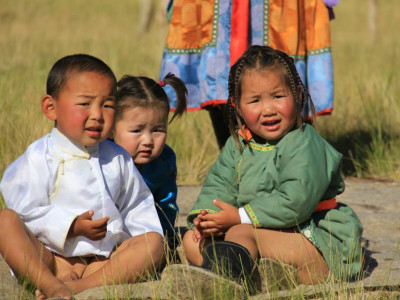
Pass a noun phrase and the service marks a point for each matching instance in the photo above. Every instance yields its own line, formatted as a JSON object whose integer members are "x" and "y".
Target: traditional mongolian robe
{"x": 289, "y": 183}
{"x": 56, "y": 180}
{"x": 206, "y": 37}
{"x": 160, "y": 177}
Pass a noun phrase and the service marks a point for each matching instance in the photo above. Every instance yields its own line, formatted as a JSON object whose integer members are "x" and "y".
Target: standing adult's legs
{"x": 218, "y": 120}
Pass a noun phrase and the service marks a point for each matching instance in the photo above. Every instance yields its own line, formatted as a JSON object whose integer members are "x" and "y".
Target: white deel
{"x": 55, "y": 180}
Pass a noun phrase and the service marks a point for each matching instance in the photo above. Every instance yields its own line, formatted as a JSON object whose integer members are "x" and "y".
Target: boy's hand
{"x": 92, "y": 229}
{"x": 218, "y": 223}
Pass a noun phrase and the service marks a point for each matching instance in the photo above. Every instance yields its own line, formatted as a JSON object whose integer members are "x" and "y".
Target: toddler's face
{"x": 267, "y": 104}
{"x": 142, "y": 132}
{"x": 84, "y": 110}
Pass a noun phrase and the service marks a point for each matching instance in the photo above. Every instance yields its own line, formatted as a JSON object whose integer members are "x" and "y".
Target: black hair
{"x": 76, "y": 63}
{"x": 142, "y": 91}
{"x": 261, "y": 58}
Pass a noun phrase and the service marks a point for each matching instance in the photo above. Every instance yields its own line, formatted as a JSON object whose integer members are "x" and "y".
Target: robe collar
{"x": 65, "y": 145}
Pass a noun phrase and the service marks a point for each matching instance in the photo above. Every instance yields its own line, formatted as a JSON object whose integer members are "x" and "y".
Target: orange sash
{"x": 326, "y": 204}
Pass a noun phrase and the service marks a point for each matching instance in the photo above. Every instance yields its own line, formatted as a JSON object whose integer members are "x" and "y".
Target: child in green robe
{"x": 272, "y": 191}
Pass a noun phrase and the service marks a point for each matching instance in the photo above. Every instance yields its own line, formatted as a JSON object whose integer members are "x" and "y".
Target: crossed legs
{"x": 56, "y": 276}
{"x": 285, "y": 246}
{"x": 132, "y": 260}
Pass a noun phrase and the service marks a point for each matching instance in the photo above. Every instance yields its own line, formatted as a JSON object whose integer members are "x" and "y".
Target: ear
{"x": 48, "y": 107}
{"x": 238, "y": 110}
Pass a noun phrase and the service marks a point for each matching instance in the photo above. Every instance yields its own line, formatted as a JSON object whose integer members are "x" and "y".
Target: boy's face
{"x": 84, "y": 109}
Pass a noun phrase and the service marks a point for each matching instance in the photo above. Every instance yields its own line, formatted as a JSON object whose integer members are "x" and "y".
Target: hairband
{"x": 161, "y": 82}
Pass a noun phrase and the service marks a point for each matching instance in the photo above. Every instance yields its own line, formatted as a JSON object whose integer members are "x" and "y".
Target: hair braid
{"x": 295, "y": 81}
{"x": 234, "y": 97}
{"x": 282, "y": 57}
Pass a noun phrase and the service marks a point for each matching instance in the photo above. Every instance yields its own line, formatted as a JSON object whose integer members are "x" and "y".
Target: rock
{"x": 181, "y": 281}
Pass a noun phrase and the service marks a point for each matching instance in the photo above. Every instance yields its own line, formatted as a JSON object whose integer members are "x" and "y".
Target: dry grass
{"x": 364, "y": 125}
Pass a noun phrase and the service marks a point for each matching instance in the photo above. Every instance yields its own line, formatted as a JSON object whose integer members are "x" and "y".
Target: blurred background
{"x": 364, "y": 126}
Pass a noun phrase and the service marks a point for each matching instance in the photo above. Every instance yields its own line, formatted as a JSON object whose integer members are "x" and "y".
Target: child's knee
{"x": 155, "y": 244}
{"x": 8, "y": 217}
{"x": 187, "y": 240}
{"x": 192, "y": 249}
{"x": 154, "y": 240}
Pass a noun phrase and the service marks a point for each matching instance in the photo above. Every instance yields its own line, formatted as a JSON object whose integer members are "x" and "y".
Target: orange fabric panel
{"x": 191, "y": 24}
{"x": 297, "y": 27}
{"x": 317, "y": 24}
{"x": 239, "y": 29}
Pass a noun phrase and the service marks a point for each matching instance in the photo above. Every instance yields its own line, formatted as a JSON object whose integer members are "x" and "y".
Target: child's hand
{"x": 197, "y": 230}
{"x": 92, "y": 229}
{"x": 219, "y": 222}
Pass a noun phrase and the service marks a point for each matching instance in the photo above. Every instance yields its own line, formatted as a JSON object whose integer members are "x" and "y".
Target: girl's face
{"x": 142, "y": 132}
{"x": 267, "y": 104}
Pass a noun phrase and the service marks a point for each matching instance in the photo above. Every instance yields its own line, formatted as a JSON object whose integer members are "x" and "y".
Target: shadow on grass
{"x": 355, "y": 146}
{"x": 370, "y": 263}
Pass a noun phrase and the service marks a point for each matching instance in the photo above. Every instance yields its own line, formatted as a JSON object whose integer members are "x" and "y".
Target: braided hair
{"x": 262, "y": 58}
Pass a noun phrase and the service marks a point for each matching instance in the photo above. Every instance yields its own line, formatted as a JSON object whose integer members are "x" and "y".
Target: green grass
{"x": 365, "y": 123}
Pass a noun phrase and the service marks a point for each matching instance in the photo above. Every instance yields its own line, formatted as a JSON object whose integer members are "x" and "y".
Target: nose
{"x": 96, "y": 113}
{"x": 147, "y": 139}
{"x": 268, "y": 107}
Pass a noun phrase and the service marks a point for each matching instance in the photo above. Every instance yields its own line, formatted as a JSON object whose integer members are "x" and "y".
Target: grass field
{"x": 364, "y": 126}
{"x": 34, "y": 34}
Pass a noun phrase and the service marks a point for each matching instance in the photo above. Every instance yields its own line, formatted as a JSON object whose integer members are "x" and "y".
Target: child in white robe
{"x": 78, "y": 212}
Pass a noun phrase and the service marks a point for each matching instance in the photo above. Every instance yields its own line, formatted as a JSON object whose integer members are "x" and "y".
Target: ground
{"x": 377, "y": 203}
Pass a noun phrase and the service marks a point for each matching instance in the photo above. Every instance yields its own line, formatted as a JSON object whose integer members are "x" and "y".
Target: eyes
{"x": 274, "y": 97}
{"x": 154, "y": 130}
{"x": 112, "y": 106}
{"x": 109, "y": 103}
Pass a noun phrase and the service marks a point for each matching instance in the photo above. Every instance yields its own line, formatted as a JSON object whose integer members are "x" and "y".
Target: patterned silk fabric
{"x": 202, "y": 32}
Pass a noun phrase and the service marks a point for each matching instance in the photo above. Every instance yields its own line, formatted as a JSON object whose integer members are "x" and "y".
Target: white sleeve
{"x": 244, "y": 217}
{"x": 136, "y": 204}
{"x": 25, "y": 188}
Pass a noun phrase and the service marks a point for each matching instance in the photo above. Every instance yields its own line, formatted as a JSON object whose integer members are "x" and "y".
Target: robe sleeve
{"x": 221, "y": 182}
{"x": 25, "y": 187}
{"x": 305, "y": 166}
{"x": 136, "y": 203}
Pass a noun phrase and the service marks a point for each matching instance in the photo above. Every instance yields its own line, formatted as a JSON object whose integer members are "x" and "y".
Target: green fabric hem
{"x": 252, "y": 215}
{"x": 194, "y": 213}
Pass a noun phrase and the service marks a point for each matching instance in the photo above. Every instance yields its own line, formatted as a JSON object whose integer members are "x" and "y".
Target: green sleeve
{"x": 221, "y": 182}
{"x": 306, "y": 170}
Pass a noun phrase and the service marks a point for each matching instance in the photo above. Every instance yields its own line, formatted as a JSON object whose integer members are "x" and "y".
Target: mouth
{"x": 270, "y": 123}
{"x": 145, "y": 153}
{"x": 94, "y": 131}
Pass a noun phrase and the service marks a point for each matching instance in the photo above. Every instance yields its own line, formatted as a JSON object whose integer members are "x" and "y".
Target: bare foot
{"x": 58, "y": 292}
